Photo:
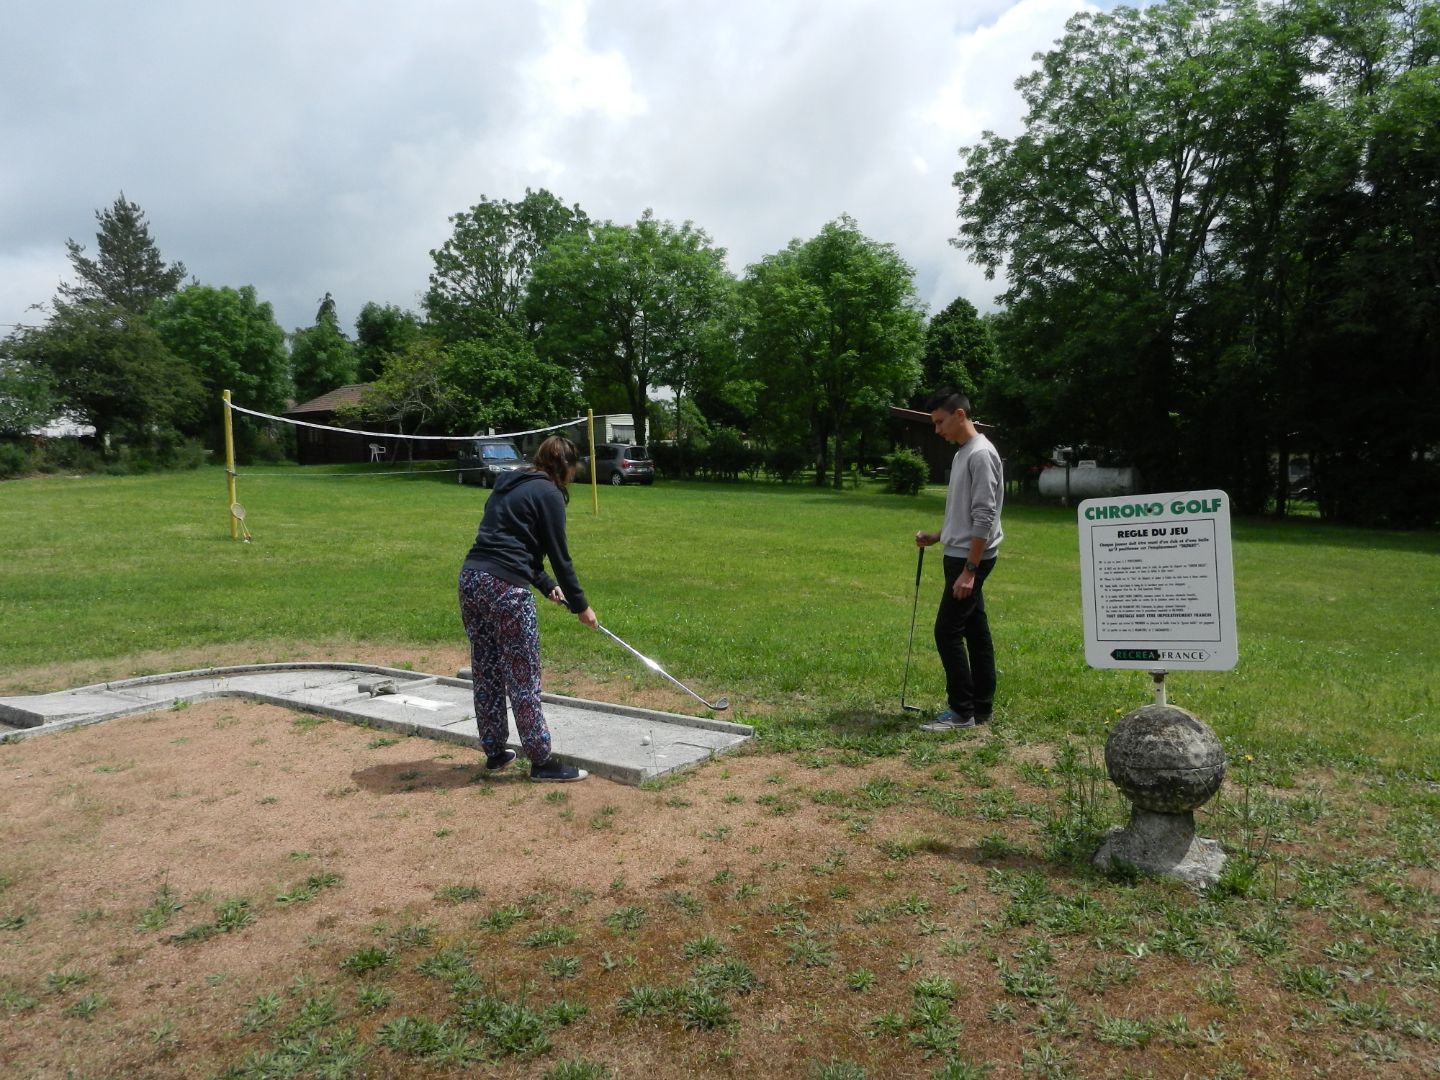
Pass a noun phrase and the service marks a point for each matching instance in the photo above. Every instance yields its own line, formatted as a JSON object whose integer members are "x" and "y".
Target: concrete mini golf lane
{"x": 624, "y": 744}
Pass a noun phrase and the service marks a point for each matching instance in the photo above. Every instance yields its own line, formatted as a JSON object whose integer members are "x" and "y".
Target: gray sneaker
{"x": 949, "y": 720}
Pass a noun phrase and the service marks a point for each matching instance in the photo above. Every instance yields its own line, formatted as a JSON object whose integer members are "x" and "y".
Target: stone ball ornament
{"x": 1167, "y": 763}
{"x": 1164, "y": 760}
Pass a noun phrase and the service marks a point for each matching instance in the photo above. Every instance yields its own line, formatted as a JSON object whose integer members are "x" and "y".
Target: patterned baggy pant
{"x": 504, "y": 661}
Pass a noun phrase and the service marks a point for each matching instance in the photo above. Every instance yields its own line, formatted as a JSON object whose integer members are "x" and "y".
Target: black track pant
{"x": 962, "y": 636}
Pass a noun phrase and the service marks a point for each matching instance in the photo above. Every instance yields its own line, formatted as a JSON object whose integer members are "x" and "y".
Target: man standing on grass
{"x": 971, "y": 536}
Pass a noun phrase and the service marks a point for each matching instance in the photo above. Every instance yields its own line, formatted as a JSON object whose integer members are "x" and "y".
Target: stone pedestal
{"x": 1167, "y": 763}
{"x": 1163, "y": 844}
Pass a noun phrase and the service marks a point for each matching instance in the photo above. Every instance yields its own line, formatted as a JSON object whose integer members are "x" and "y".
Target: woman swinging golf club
{"x": 524, "y": 524}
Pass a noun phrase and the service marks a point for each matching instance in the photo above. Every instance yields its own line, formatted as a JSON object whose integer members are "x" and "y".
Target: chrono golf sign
{"x": 1157, "y": 582}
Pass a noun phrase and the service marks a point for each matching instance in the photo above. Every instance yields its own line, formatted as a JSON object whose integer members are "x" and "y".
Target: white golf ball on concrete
{"x": 644, "y": 740}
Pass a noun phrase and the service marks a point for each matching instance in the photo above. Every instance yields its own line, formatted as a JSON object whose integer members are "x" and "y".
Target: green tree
{"x": 410, "y": 392}
{"x": 629, "y": 304}
{"x": 1215, "y": 209}
{"x": 127, "y": 272}
{"x": 322, "y": 358}
{"x": 382, "y": 331}
{"x": 229, "y": 338}
{"x": 1110, "y": 198}
{"x": 482, "y": 272}
{"x": 491, "y": 383}
{"x": 959, "y": 350}
{"x": 832, "y": 323}
{"x": 701, "y": 327}
{"x": 501, "y": 383}
{"x": 114, "y": 373}
{"x": 1366, "y": 389}
{"x": 98, "y": 350}
{"x": 27, "y": 400}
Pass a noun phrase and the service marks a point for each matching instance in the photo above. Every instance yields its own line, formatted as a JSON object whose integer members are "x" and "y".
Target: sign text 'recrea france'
{"x": 1157, "y": 582}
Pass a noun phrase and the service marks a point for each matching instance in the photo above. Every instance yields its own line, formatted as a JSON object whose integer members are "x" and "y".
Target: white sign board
{"x": 1157, "y": 582}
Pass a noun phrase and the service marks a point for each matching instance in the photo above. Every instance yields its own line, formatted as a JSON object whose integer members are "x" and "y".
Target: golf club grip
{"x": 919, "y": 566}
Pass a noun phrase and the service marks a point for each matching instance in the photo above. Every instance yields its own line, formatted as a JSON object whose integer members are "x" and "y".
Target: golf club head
{"x": 911, "y": 708}
{"x": 721, "y": 704}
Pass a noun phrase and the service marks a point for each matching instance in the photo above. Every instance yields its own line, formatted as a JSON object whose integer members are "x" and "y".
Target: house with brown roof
{"x": 317, "y": 446}
{"x": 914, "y": 429}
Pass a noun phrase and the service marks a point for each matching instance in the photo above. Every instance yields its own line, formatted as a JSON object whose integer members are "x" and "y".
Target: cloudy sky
{"x": 306, "y": 146}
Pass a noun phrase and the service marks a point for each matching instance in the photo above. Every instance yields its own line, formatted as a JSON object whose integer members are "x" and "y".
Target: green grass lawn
{"x": 792, "y": 598}
{"x": 846, "y": 898}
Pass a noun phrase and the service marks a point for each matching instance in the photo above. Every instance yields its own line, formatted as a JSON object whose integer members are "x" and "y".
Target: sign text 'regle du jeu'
{"x": 1152, "y": 509}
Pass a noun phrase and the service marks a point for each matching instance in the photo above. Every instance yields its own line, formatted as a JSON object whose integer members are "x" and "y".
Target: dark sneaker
{"x": 949, "y": 720}
{"x": 498, "y": 761}
{"x": 553, "y": 771}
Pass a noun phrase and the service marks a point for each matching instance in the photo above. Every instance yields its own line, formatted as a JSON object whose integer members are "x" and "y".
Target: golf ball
{"x": 644, "y": 740}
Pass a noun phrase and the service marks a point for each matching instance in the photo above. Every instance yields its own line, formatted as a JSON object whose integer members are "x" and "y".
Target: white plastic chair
{"x": 377, "y": 451}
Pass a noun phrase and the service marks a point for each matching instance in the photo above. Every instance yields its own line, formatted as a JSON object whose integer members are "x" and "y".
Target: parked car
{"x": 483, "y": 461}
{"x": 618, "y": 463}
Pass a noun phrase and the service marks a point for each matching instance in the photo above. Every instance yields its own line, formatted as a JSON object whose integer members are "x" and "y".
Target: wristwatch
{"x": 971, "y": 567}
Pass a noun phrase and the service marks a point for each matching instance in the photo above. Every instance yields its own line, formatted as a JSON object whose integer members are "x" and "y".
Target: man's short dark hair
{"x": 949, "y": 399}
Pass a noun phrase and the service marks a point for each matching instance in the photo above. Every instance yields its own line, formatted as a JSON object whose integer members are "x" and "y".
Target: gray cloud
{"x": 321, "y": 146}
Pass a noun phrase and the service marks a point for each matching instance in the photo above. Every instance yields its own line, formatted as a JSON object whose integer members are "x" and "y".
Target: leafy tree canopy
{"x": 27, "y": 399}
{"x": 502, "y": 384}
{"x": 1217, "y": 224}
{"x": 959, "y": 350}
{"x": 230, "y": 340}
{"x": 629, "y": 304}
{"x": 322, "y": 358}
{"x": 832, "y": 326}
{"x": 482, "y": 272}
{"x": 382, "y": 331}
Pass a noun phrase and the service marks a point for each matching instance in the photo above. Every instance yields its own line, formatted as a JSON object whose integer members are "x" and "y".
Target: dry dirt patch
{"x": 806, "y": 869}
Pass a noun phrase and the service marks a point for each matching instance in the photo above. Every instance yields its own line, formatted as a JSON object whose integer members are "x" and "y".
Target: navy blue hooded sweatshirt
{"x": 524, "y": 524}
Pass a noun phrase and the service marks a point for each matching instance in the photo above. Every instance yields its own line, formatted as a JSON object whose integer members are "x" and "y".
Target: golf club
{"x": 914, "y": 605}
{"x": 719, "y": 705}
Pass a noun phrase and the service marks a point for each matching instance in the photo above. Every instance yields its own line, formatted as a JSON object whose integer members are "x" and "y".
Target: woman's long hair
{"x": 556, "y": 458}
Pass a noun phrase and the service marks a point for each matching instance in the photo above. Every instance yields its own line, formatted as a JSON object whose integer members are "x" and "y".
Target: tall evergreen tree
{"x": 322, "y": 358}
{"x": 127, "y": 271}
{"x": 101, "y": 354}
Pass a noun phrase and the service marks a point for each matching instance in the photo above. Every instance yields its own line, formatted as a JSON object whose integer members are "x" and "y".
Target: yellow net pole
{"x": 594, "y": 485}
{"x": 230, "y": 470}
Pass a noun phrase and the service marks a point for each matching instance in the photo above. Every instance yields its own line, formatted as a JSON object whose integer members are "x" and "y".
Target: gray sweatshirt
{"x": 972, "y": 505}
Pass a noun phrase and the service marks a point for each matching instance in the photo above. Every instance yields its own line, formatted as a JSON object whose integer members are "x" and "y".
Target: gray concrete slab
{"x": 623, "y": 743}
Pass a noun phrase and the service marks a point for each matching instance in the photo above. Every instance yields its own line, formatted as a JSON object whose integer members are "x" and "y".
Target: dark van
{"x": 483, "y": 461}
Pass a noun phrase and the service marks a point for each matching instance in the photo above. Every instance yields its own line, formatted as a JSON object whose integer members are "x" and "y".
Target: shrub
{"x": 785, "y": 463}
{"x": 726, "y": 455}
{"x": 273, "y": 444}
{"x": 907, "y": 471}
{"x": 68, "y": 455}
{"x": 674, "y": 461}
{"x": 14, "y": 460}
{"x": 166, "y": 451}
